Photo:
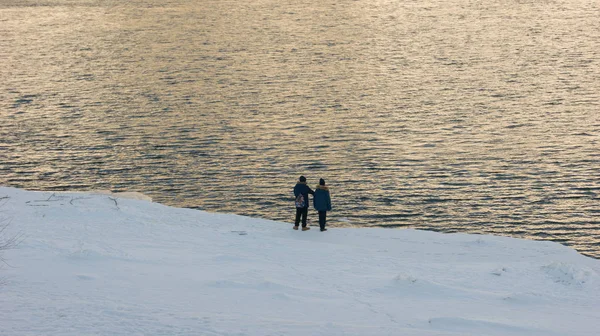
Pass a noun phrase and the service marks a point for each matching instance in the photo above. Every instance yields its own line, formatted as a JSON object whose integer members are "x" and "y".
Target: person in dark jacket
{"x": 322, "y": 202}
{"x": 301, "y": 191}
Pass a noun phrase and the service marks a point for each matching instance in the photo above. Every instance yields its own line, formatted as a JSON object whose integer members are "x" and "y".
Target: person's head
{"x": 322, "y": 182}
{"x": 302, "y": 179}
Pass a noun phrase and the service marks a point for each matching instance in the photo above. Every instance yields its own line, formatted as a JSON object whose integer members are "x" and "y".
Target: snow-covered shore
{"x": 93, "y": 264}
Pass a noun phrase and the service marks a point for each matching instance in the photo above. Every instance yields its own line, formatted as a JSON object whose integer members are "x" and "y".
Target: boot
{"x": 295, "y": 227}
{"x": 305, "y": 228}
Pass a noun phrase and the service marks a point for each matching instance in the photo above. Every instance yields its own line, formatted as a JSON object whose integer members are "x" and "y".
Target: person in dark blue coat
{"x": 322, "y": 202}
{"x": 301, "y": 191}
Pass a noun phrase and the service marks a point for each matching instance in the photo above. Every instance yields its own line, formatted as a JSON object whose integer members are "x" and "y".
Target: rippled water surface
{"x": 451, "y": 115}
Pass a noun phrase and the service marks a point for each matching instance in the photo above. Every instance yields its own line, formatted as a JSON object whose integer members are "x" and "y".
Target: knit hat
{"x": 302, "y": 179}
{"x": 322, "y": 182}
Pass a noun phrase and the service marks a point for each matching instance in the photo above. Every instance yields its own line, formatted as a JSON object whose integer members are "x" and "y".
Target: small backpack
{"x": 300, "y": 201}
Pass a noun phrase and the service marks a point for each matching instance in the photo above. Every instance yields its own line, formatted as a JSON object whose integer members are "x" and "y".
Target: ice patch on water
{"x": 126, "y": 194}
{"x": 134, "y": 195}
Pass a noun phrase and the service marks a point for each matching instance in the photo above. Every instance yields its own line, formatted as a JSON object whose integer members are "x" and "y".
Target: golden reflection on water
{"x": 448, "y": 115}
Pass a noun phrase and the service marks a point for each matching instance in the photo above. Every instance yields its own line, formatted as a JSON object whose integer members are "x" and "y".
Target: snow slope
{"x": 93, "y": 264}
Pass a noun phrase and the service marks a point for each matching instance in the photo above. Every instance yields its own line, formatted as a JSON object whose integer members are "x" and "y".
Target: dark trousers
{"x": 322, "y": 219}
{"x": 301, "y": 212}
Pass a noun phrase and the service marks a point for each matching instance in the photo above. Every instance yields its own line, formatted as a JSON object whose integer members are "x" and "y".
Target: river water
{"x": 478, "y": 116}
